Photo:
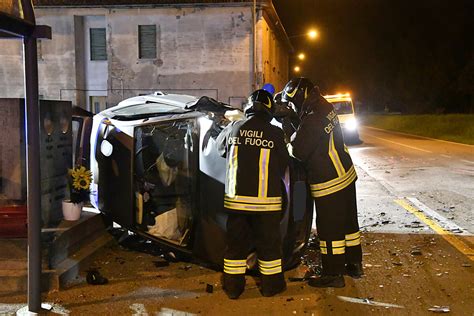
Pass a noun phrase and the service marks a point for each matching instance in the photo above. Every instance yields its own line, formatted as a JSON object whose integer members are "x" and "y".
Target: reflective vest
{"x": 319, "y": 144}
{"x": 256, "y": 158}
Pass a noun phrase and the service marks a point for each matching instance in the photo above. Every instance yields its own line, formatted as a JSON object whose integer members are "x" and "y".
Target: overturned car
{"x": 156, "y": 172}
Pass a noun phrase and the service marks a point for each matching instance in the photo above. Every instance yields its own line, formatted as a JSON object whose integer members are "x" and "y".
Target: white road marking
{"x": 446, "y": 156}
{"x": 433, "y": 139}
{"x": 467, "y": 161}
{"x": 397, "y": 143}
{"x": 442, "y": 221}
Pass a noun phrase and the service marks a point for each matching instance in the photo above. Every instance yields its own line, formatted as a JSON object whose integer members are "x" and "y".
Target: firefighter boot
{"x": 273, "y": 284}
{"x": 233, "y": 285}
{"x": 354, "y": 270}
{"x": 336, "y": 280}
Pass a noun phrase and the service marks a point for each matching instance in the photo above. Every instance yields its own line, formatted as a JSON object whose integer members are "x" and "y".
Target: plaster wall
{"x": 200, "y": 51}
{"x": 272, "y": 57}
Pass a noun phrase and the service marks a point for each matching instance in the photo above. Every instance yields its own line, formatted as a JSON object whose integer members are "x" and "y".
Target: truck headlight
{"x": 351, "y": 124}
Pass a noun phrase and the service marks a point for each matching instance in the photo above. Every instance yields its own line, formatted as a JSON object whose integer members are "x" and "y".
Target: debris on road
{"x": 209, "y": 288}
{"x": 367, "y": 301}
{"x": 161, "y": 263}
{"x": 466, "y": 265}
{"x": 95, "y": 278}
{"x": 173, "y": 312}
{"x": 186, "y": 267}
{"x": 415, "y": 252}
{"x": 439, "y": 309}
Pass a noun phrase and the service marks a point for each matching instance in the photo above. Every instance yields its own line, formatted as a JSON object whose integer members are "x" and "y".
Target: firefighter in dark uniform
{"x": 319, "y": 144}
{"x": 257, "y": 158}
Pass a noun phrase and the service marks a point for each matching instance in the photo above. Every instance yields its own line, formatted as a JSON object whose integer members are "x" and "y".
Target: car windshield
{"x": 148, "y": 108}
{"x": 343, "y": 107}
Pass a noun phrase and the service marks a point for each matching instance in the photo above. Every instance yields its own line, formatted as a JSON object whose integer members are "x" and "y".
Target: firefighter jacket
{"x": 319, "y": 144}
{"x": 256, "y": 158}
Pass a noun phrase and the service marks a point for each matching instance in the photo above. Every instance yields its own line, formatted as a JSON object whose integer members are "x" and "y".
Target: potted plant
{"x": 79, "y": 180}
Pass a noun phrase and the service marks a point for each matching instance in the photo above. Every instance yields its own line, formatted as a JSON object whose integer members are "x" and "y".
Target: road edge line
{"x": 448, "y": 236}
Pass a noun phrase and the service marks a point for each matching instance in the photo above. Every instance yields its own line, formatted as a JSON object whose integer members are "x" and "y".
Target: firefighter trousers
{"x": 263, "y": 231}
{"x": 338, "y": 230}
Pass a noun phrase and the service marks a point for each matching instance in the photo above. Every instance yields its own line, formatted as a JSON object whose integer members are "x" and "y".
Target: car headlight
{"x": 351, "y": 124}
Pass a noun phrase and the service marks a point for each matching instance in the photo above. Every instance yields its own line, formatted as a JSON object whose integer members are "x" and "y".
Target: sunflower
{"x": 81, "y": 178}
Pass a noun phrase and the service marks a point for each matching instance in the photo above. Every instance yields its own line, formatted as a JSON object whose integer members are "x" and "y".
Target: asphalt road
{"x": 434, "y": 176}
{"x": 416, "y": 211}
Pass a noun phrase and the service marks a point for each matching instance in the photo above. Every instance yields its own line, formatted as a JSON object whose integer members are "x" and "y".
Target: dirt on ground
{"x": 404, "y": 275}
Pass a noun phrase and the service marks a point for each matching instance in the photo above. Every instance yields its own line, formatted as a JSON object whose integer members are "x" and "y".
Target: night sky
{"x": 411, "y": 56}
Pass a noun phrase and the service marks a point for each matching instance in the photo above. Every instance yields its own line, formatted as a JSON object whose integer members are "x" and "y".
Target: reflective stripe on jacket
{"x": 319, "y": 144}
{"x": 256, "y": 158}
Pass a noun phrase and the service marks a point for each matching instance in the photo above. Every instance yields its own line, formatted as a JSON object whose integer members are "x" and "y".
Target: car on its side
{"x": 156, "y": 172}
{"x": 344, "y": 107}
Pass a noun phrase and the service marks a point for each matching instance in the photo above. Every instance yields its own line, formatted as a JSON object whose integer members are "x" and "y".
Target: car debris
{"x": 439, "y": 309}
{"x": 173, "y": 312}
{"x": 416, "y": 252}
{"x": 367, "y": 301}
{"x": 161, "y": 263}
{"x": 209, "y": 288}
{"x": 186, "y": 267}
{"x": 95, "y": 278}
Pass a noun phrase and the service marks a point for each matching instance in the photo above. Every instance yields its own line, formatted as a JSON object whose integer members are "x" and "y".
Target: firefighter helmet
{"x": 296, "y": 91}
{"x": 260, "y": 101}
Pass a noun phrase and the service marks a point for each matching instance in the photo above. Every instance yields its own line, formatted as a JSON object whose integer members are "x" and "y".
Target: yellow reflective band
{"x": 292, "y": 94}
{"x": 269, "y": 104}
{"x": 322, "y": 243}
{"x": 338, "y": 243}
{"x": 353, "y": 235}
{"x": 346, "y": 149}
{"x": 333, "y": 182}
{"x": 263, "y": 172}
{"x": 305, "y": 93}
{"x": 338, "y": 251}
{"x": 232, "y": 175}
{"x": 335, "y": 157}
{"x": 229, "y": 270}
{"x": 324, "y": 251}
{"x": 227, "y": 264}
{"x": 241, "y": 261}
{"x": 270, "y": 271}
{"x": 252, "y": 207}
{"x": 336, "y": 188}
{"x": 253, "y": 199}
{"x": 352, "y": 243}
{"x": 269, "y": 264}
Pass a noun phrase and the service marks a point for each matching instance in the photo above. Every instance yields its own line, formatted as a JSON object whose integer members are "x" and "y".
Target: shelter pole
{"x": 33, "y": 173}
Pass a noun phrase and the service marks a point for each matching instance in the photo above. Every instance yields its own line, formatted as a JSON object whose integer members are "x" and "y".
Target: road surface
{"x": 416, "y": 202}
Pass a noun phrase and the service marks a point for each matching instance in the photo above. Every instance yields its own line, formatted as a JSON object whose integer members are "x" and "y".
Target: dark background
{"x": 410, "y": 56}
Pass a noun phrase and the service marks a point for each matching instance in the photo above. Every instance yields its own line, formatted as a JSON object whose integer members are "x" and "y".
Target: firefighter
{"x": 257, "y": 158}
{"x": 319, "y": 144}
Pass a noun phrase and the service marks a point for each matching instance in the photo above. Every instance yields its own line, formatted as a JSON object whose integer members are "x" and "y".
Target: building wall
{"x": 200, "y": 51}
{"x": 272, "y": 56}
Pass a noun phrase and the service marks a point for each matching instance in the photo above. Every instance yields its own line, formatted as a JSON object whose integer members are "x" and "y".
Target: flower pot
{"x": 72, "y": 211}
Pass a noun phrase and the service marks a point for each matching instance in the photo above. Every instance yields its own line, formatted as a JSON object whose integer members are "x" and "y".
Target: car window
{"x": 343, "y": 107}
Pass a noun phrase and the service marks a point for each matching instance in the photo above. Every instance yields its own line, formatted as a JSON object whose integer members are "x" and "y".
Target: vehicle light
{"x": 351, "y": 124}
{"x": 106, "y": 148}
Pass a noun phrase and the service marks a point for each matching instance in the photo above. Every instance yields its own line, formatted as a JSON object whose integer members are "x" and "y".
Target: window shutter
{"x": 147, "y": 41}
{"x": 98, "y": 44}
